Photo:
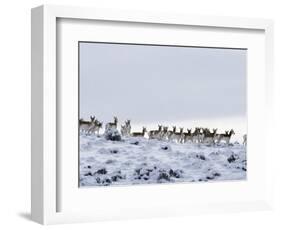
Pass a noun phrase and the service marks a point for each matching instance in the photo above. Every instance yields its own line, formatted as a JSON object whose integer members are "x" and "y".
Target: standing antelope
{"x": 139, "y": 134}
{"x": 95, "y": 128}
{"x": 196, "y": 135}
{"x": 171, "y": 132}
{"x": 155, "y": 134}
{"x": 86, "y": 125}
{"x": 187, "y": 136}
{"x": 164, "y": 134}
{"x": 123, "y": 130}
{"x": 226, "y": 136}
{"x": 126, "y": 128}
{"x": 209, "y": 137}
{"x": 112, "y": 125}
{"x": 201, "y": 135}
{"x": 177, "y": 136}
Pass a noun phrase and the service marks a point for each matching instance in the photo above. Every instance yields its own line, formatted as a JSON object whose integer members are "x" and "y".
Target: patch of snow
{"x": 141, "y": 161}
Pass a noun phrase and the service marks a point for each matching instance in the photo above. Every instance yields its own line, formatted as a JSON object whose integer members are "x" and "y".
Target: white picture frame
{"x": 47, "y": 184}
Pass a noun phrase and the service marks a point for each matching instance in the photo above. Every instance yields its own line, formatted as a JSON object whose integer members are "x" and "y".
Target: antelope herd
{"x": 199, "y": 135}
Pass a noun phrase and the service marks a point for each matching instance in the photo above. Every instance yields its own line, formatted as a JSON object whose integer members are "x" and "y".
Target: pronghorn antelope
{"x": 209, "y": 137}
{"x": 226, "y": 136}
{"x": 245, "y": 139}
{"x": 155, "y": 134}
{"x": 187, "y": 136}
{"x": 112, "y": 125}
{"x": 196, "y": 135}
{"x": 139, "y": 134}
{"x": 126, "y": 128}
{"x": 201, "y": 135}
{"x": 164, "y": 134}
{"x": 218, "y": 136}
{"x": 86, "y": 125}
{"x": 177, "y": 136}
{"x": 95, "y": 129}
{"x": 170, "y": 133}
{"x": 123, "y": 130}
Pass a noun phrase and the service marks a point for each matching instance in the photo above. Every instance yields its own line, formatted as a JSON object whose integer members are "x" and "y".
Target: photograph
{"x": 156, "y": 114}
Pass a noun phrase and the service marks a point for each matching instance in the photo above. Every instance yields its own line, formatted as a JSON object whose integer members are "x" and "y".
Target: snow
{"x": 141, "y": 161}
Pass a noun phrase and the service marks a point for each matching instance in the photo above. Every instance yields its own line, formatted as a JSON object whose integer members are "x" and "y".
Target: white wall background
{"x": 15, "y": 112}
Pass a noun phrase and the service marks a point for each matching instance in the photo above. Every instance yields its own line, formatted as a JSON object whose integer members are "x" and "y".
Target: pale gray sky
{"x": 154, "y": 83}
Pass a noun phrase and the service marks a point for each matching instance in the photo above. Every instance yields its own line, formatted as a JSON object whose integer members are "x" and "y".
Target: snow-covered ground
{"x": 142, "y": 161}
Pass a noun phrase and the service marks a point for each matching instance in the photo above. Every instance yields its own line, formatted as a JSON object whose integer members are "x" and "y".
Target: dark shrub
{"x": 175, "y": 173}
{"x": 216, "y": 174}
{"x": 101, "y": 171}
{"x": 201, "y": 157}
{"x": 135, "y": 143}
{"x": 114, "y": 151}
{"x": 88, "y": 174}
{"x": 231, "y": 159}
{"x": 112, "y": 135}
{"x": 164, "y": 176}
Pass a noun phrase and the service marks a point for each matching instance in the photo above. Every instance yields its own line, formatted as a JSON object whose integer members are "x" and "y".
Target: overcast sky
{"x": 149, "y": 84}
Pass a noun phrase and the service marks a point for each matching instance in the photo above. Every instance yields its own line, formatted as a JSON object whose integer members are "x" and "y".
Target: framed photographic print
{"x": 140, "y": 114}
{"x": 163, "y": 113}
